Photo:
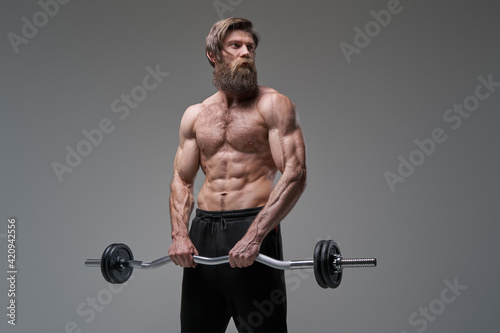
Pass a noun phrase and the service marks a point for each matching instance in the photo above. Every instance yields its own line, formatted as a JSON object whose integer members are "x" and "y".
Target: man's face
{"x": 238, "y": 45}
{"x": 236, "y": 74}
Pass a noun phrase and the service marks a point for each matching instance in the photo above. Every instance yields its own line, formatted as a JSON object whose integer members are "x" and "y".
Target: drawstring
{"x": 211, "y": 220}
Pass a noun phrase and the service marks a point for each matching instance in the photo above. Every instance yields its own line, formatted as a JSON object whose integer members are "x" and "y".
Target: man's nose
{"x": 244, "y": 53}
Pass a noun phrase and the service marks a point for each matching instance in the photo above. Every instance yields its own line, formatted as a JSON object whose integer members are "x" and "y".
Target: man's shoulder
{"x": 189, "y": 118}
{"x": 264, "y": 91}
{"x": 272, "y": 102}
{"x": 195, "y": 109}
{"x": 271, "y": 96}
{"x": 192, "y": 112}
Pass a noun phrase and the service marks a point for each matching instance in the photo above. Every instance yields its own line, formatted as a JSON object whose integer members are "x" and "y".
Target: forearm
{"x": 181, "y": 205}
{"x": 282, "y": 199}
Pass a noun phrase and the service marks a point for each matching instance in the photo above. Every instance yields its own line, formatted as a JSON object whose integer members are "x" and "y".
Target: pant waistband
{"x": 238, "y": 213}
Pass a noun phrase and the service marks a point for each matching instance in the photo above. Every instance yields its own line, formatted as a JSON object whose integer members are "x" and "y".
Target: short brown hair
{"x": 219, "y": 31}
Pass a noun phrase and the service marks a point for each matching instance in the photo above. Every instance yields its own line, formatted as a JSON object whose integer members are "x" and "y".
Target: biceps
{"x": 187, "y": 161}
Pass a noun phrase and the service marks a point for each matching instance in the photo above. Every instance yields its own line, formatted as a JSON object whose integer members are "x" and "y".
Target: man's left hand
{"x": 243, "y": 254}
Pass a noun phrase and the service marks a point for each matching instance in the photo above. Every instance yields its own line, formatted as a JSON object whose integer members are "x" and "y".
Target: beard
{"x": 236, "y": 79}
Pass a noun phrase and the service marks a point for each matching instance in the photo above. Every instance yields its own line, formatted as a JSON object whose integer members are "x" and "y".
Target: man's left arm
{"x": 288, "y": 150}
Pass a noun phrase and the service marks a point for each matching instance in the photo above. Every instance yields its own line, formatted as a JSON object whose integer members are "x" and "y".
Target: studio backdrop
{"x": 398, "y": 101}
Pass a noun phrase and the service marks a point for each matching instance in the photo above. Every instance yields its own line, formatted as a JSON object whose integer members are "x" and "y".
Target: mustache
{"x": 240, "y": 62}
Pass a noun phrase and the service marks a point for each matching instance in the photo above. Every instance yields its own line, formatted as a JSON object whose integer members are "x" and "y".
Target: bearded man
{"x": 240, "y": 137}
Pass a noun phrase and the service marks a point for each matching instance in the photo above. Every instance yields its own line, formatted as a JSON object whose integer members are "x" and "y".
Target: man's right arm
{"x": 186, "y": 164}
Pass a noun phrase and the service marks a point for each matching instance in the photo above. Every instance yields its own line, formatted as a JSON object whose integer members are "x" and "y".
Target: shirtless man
{"x": 240, "y": 136}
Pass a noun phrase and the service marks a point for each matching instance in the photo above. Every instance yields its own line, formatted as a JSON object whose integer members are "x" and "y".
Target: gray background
{"x": 357, "y": 118}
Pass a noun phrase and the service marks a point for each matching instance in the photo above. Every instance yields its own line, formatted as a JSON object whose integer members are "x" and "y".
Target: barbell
{"x": 117, "y": 263}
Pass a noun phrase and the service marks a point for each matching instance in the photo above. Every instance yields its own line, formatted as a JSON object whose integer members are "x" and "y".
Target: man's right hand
{"x": 181, "y": 252}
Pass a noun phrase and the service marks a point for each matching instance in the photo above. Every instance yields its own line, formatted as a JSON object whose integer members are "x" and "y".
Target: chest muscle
{"x": 243, "y": 131}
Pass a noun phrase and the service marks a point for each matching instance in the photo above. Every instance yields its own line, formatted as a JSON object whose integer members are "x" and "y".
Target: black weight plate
{"x": 332, "y": 276}
{"x": 117, "y": 273}
{"x": 324, "y": 263}
{"x": 109, "y": 265}
{"x": 105, "y": 263}
{"x": 317, "y": 264}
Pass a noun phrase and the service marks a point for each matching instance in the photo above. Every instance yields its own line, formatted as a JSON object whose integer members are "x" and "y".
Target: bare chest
{"x": 242, "y": 130}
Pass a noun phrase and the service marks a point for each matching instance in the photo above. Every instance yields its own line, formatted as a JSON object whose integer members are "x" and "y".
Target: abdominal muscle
{"x": 236, "y": 183}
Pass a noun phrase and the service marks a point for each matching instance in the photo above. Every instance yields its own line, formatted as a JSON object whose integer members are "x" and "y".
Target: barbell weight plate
{"x": 105, "y": 263}
{"x": 110, "y": 265}
{"x": 325, "y": 272}
{"x": 117, "y": 273}
{"x": 331, "y": 275}
{"x": 317, "y": 264}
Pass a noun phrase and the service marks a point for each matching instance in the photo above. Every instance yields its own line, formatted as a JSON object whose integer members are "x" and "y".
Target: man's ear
{"x": 211, "y": 57}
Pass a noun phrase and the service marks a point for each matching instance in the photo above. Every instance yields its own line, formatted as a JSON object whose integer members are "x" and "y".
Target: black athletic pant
{"x": 254, "y": 296}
